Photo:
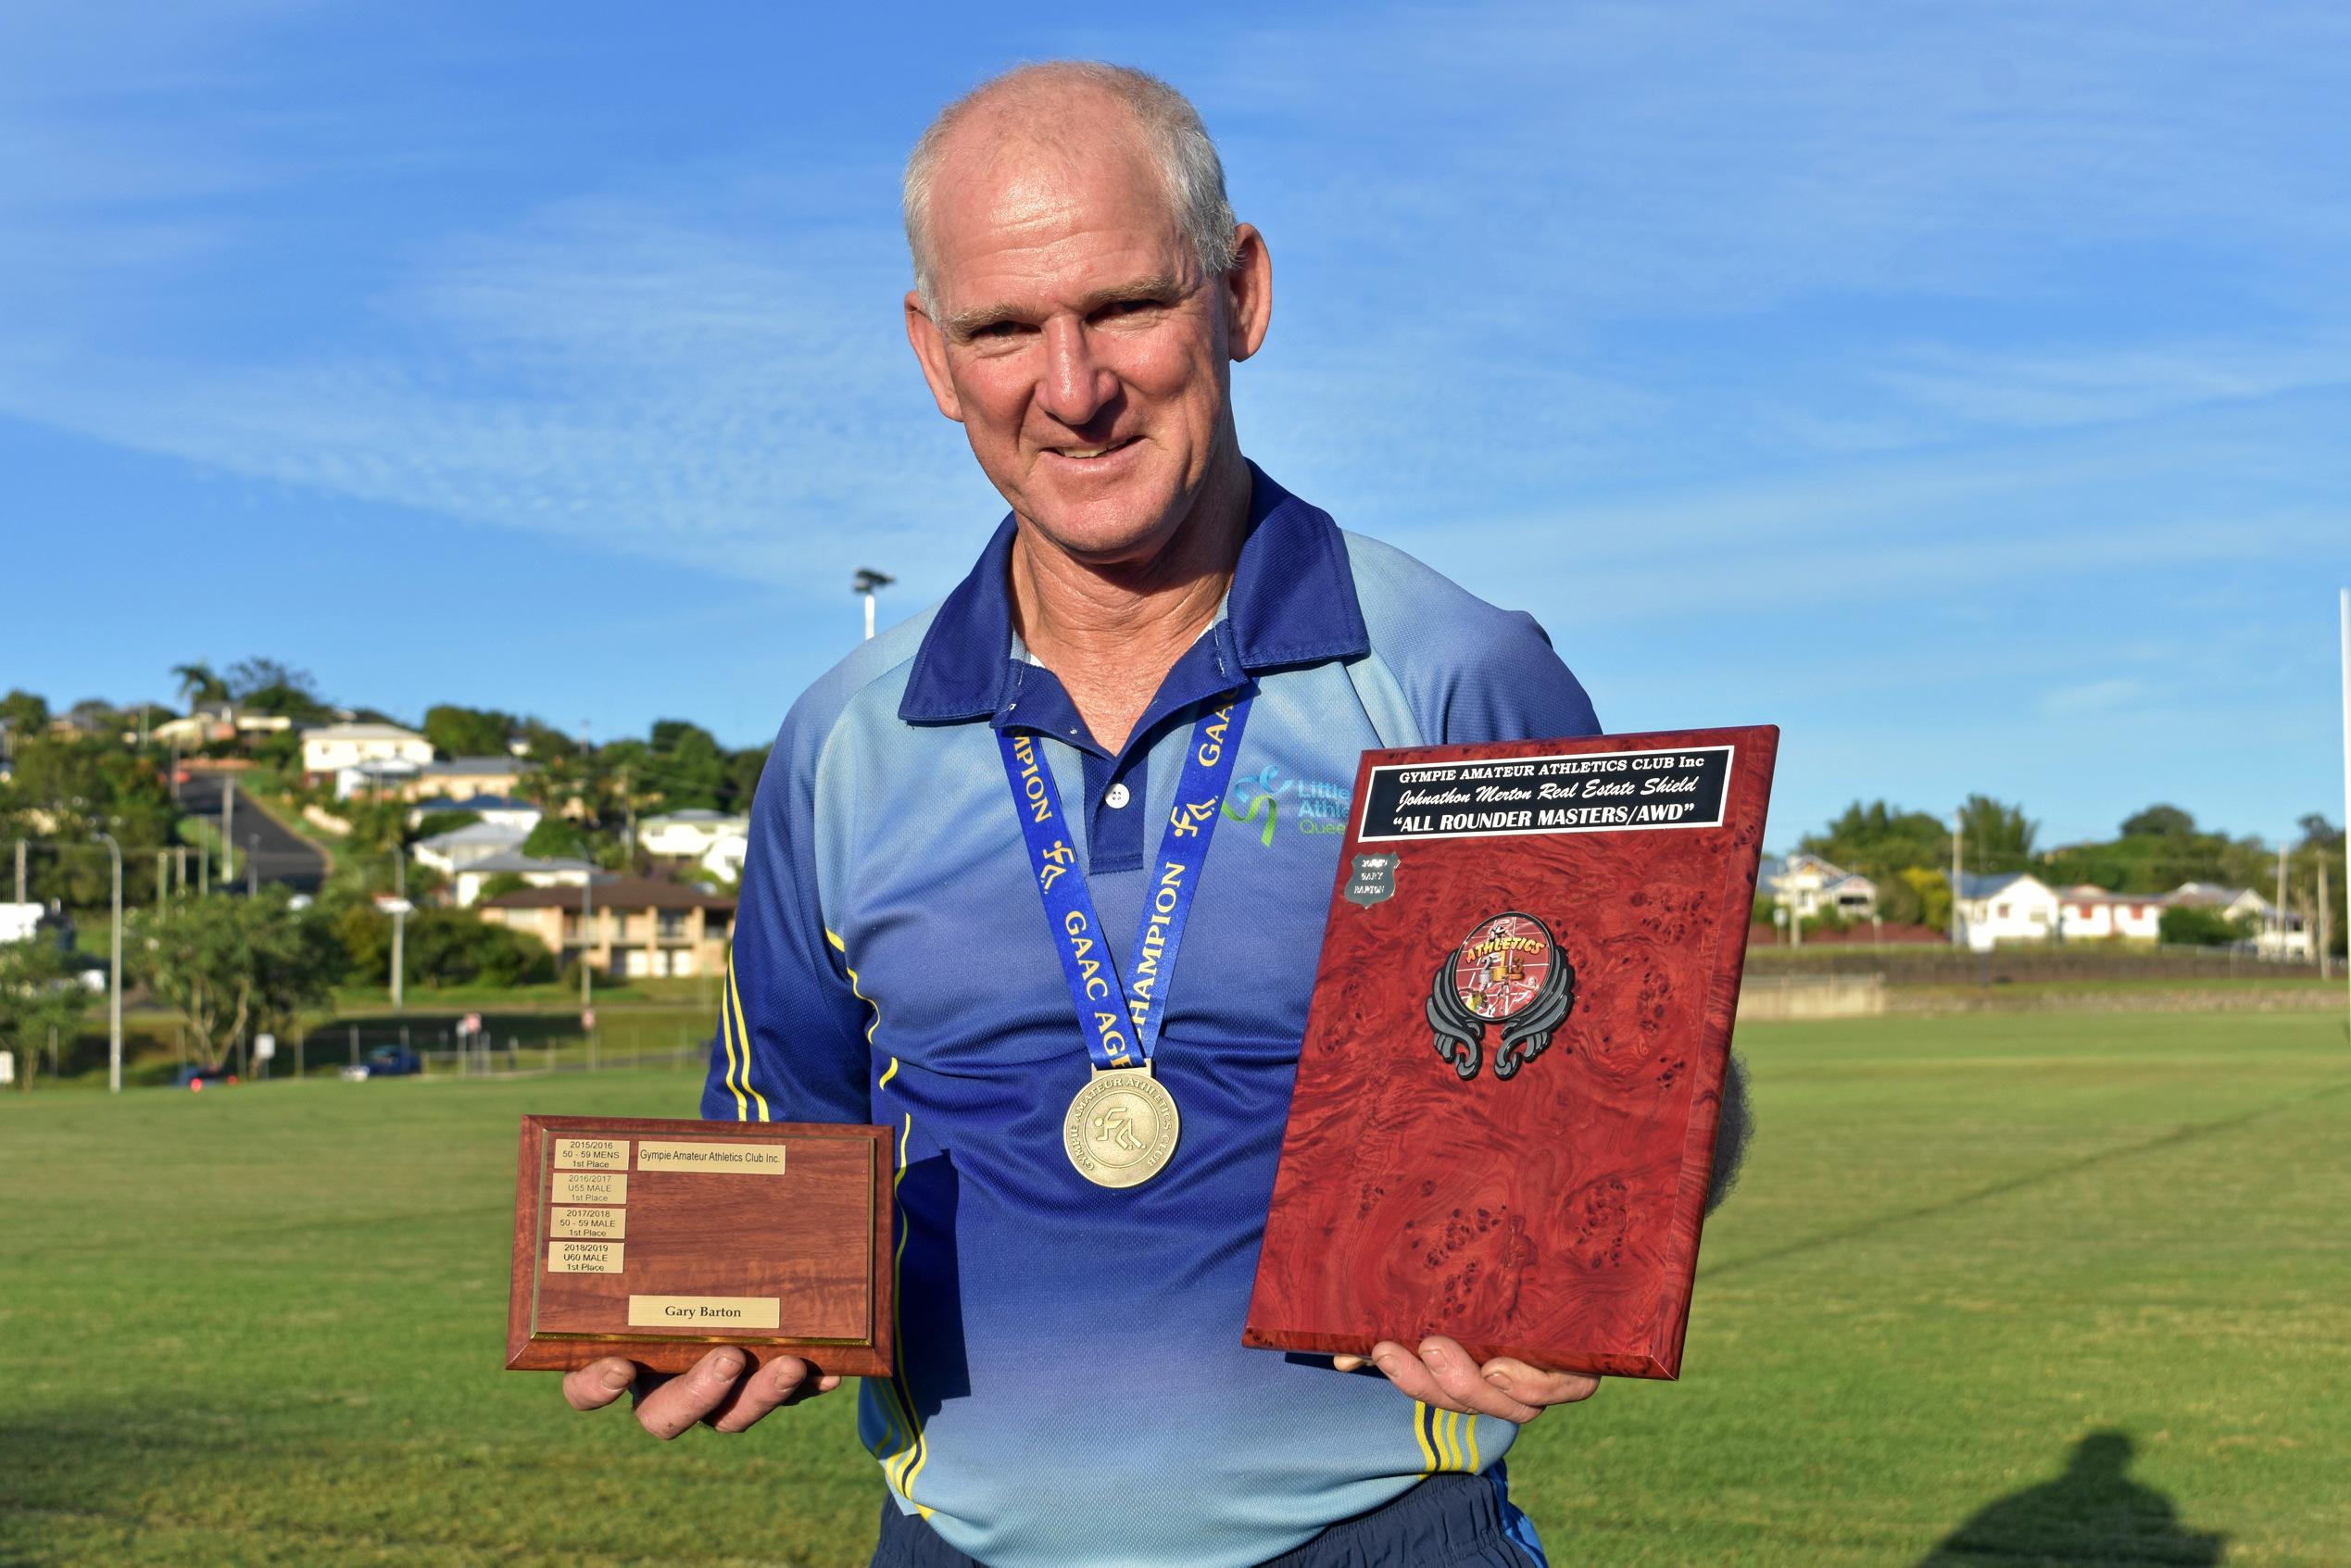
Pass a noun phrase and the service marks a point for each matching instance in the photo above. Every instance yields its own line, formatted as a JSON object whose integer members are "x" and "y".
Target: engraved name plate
{"x": 656, "y": 1239}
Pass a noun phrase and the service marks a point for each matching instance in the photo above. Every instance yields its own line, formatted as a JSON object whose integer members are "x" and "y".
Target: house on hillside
{"x": 1806, "y": 884}
{"x": 727, "y": 854}
{"x": 536, "y": 873}
{"x": 2271, "y": 938}
{"x": 451, "y": 852}
{"x": 462, "y": 778}
{"x": 687, "y": 834}
{"x": 210, "y": 723}
{"x": 374, "y": 781}
{"x": 2005, "y": 907}
{"x": 2089, "y": 913}
{"x": 634, "y": 927}
{"x": 330, "y": 749}
{"x": 494, "y": 808}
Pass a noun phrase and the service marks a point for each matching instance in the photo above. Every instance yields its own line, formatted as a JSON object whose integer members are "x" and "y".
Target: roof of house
{"x": 475, "y": 832}
{"x": 1986, "y": 885}
{"x": 477, "y": 803}
{"x": 360, "y": 732}
{"x": 693, "y": 815}
{"x": 507, "y": 766}
{"x": 2091, "y": 893}
{"x": 614, "y": 893}
{"x": 2213, "y": 893}
{"x": 512, "y": 860}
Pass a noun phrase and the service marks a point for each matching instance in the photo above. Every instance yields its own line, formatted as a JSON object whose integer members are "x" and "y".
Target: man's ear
{"x": 930, "y": 352}
{"x": 1248, "y": 291}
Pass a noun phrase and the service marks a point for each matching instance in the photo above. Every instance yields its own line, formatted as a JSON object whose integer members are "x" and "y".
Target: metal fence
{"x": 443, "y": 1052}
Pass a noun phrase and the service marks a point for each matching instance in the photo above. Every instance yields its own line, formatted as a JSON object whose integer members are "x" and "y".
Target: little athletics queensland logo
{"x": 1508, "y": 971}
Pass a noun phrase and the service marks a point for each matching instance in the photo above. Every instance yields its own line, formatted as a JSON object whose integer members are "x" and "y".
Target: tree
{"x": 2197, "y": 926}
{"x": 555, "y": 839}
{"x": 67, "y": 788}
{"x": 744, "y": 770}
{"x": 2318, "y": 832}
{"x": 1932, "y": 890}
{"x": 459, "y": 947}
{"x": 267, "y": 685}
{"x": 467, "y": 731}
{"x": 199, "y": 683}
{"x": 40, "y": 999}
{"x": 689, "y": 767}
{"x": 543, "y": 743}
{"x": 1998, "y": 837}
{"x": 233, "y": 966}
{"x": 1879, "y": 840}
{"x": 24, "y": 713}
{"x": 2159, "y": 821}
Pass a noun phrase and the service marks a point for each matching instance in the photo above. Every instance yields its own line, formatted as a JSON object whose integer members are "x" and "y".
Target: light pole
{"x": 114, "y": 1004}
{"x": 252, "y": 864}
{"x": 229, "y": 833}
{"x": 1957, "y": 927}
{"x": 399, "y": 921}
{"x": 867, "y": 582}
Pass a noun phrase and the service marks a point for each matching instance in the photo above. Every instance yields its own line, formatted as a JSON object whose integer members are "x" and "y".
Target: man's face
{"x": 1079, "y": 343}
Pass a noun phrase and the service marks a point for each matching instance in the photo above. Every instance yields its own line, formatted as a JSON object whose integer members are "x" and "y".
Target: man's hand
{"x": 715, "y": 1392}
{"x": 1442, "y": 1374}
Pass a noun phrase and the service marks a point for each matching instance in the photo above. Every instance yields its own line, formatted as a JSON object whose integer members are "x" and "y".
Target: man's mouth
{"x": 1088, "y": 453}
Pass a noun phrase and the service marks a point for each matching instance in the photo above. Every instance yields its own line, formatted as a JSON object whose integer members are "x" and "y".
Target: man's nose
{"x": 1076, "y": 383}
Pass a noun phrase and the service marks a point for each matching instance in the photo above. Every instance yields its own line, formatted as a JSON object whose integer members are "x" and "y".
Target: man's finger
{"x": 681, "y": 1401}
{"x": 779, "y": 1381}
{"x": 1402, "y": 1368}
{"x": 1535, "y": 1386}
{"x": 1463, "y": 1387}
{"x": 597, "y": 1385}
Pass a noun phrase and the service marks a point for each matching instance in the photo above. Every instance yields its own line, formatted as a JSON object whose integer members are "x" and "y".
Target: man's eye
{"x": 998, "y": 329}
{"x": 1131, "y": 306}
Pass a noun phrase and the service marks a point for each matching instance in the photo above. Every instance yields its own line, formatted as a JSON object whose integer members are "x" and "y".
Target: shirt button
{"x": 1115, "y": 798}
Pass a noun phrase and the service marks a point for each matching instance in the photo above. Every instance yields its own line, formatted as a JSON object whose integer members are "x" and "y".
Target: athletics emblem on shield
{"x": 1508, "y": 971}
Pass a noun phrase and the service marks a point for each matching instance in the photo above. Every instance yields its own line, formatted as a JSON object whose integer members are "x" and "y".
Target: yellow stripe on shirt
{"x": 743, "y": 1030}
{"x": 1420, "y": 1435}
{"x": 726, "y": 1039}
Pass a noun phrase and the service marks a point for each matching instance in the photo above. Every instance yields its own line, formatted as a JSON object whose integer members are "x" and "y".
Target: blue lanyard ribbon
{"x": 1121, "y": 1020}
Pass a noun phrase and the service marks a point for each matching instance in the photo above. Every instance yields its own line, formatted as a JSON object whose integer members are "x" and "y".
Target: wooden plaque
{"x": 1504, "y": 1122}
{"x": 656, "y": 1239}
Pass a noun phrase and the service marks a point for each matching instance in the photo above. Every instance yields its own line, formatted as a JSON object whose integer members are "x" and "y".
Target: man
{"x": 1009, "y": 777}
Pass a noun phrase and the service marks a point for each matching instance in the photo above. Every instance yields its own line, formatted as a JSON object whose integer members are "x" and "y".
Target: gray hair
{"x": 1173, "y": 137}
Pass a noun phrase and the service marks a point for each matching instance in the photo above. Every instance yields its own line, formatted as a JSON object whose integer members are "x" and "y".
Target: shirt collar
{"x": 1293, "y": 601}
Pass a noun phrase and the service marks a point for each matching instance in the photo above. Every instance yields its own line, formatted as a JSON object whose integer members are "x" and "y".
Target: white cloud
{"x": 2090, "y": 697}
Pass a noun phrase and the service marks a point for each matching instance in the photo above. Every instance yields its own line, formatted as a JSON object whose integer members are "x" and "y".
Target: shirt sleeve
{"x": 1516, "y": 688}
{"x": 791, "y": 1040}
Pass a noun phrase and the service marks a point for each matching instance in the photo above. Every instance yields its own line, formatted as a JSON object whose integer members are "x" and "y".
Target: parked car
{"x": 195, "y": 1078}
{"x": 386, "y": 1061}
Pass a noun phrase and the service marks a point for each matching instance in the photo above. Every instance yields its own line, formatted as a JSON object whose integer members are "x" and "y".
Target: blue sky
{"x": 1963, "y": 388}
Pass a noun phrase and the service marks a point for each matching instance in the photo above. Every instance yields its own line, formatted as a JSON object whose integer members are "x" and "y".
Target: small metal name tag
{"x": 735, "y": 1159}
{"x": 704, "y": 1311}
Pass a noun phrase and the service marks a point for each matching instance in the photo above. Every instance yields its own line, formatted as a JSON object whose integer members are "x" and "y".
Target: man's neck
{"x": 1111, "y": 632}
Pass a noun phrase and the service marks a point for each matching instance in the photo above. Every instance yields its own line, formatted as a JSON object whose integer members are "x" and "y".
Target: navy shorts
{"x": 1446, "y": 1521}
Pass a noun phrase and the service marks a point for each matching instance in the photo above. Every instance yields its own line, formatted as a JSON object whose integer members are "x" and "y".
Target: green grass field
{"x": 1972, "y": 1262}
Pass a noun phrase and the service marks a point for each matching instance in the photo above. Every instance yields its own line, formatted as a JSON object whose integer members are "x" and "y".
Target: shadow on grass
{"x": 2093, "y": 1513}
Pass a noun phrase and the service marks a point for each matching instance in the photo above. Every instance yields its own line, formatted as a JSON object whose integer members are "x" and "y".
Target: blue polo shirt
{"x": 1072, "y": 1387}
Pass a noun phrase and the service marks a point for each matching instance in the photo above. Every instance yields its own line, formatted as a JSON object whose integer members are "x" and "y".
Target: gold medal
{"x": 1121, "y": 1128}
